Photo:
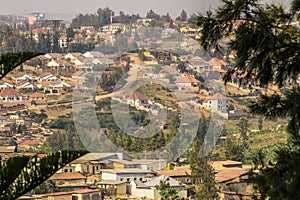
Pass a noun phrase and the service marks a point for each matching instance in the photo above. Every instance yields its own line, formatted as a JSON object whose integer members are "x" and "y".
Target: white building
{"x": 148, "y": 190}
{"x": 217, "y": 102}
{"x": 130, "y": 174}
{"x": 11, "y": 95}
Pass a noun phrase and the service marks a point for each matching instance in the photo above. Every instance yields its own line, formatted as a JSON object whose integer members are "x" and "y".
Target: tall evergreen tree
{"x": 202, "y": 174}
{"x": 266, "y": 39}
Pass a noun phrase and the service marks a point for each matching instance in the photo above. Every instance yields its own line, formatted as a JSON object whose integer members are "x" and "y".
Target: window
{"x": 71, "y": 170}
{"x": 128, "y": 179}
{"x": 66, "y": 170}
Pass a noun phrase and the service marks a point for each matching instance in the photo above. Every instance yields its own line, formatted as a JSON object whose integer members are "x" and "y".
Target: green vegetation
{"x": 19, "y": 175}
{"x": 267, "y": 44}
{"x": 166, "y": 191}
{"x": 202, "y": 174}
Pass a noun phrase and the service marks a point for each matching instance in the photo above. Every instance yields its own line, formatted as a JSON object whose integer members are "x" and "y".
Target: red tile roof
{"x": 37, "y": 95}
{"x": 30, "y": 142}
{"x": 137, "y": 96}
{"x": 217, "y": 62}
{"x": 39, "y": 31}
{"x": 218, "y": 96}
{"x": 10, "y": 92}
{"x": 187, "y": 79}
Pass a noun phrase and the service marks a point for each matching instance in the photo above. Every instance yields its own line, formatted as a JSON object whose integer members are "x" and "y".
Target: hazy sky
{"x": 69, "y": 8}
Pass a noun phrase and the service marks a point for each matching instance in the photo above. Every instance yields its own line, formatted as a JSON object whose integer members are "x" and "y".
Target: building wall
{"x": 154, "y": 166}
{"x": 89, "y": 196}
{"x": 117, "y": 165}
{"x": 123, "y": 177}
{"x": 109, "y": 176}
{"x": 220, "y": 105}
{"x": 138, "y": 192}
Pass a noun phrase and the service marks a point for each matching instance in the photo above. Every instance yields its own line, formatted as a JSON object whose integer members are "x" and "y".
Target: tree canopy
{"x": 265, "y": 39}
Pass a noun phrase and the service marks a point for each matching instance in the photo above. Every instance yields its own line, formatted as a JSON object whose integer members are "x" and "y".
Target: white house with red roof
{"x": 11, "y": 95}
{"x": 63, "y": 41}
{"x": 187, "y": 80}
{"x": 217, "y": 63}
{"x": 139, "y": 101}
{"x": 217, "y": 102}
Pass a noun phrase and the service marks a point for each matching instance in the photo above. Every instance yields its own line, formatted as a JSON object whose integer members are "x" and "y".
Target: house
{"x": 217, "y": 63}
{"x": 226, "y": 164}
{"x": 86, "y": 194}
{"x": 113, "y": 188}
{"x": 145, "y": 164}
{"x": 93, "y": 54}
{"x": 59, "y": 85}
{"x": 200, "y": 65}
{"x": 128, "y": 174}
{"x": 73, "y": 56}
{"x": 83, "y": 194}
{"x": 92, "y": 163}
{"x": 217, "y": 102}
{"x": 187, "y": 80}
{"x": 179, "y": 173}
{"x": 87, "y": 29}
{"x": 25, "y": 85}
{"x": 22, "y": 78}
{"x": 78, "y": 38}
{"x": 147, "y": 190}
{"x": 150, "y": 164}
{"x": 63, "y": 41}
{"x": 115, "y": 27}
{"x": 28, "y": 144}
{"x": 5, "y": 85}
{"x": 233, "y": 184}
{"x": 53, "y": 56}
{"x": 68, "y": 178}
{"x": 11, "y": 95}
{"x": 47, "y": 77}
{"x": 56, "y": 87}
{"x": 37, "y": 97}
{"x": 40, "y": 32}
{"x": 59, "y": 64}
{"x": 139, "y": 101}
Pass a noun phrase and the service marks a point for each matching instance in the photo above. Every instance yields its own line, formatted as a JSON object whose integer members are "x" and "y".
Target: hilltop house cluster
{"x": 118, "y": 175}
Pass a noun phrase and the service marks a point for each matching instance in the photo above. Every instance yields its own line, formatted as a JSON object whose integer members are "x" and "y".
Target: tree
{"x": 10, "y": 61}
{"x": 265, "y": 38}
{"x": 243, "y": 127}
{"x": 19, "y": 175}
{"x": 202, "y": 174}
{"x": 260, "y": 123}
{"x": 183, "y": 15}
{"x": 166, "y": 191}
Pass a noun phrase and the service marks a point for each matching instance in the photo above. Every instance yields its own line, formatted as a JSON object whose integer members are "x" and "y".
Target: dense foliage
{"x": 265, "y": 38}
{"x": 19, "y": 175}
